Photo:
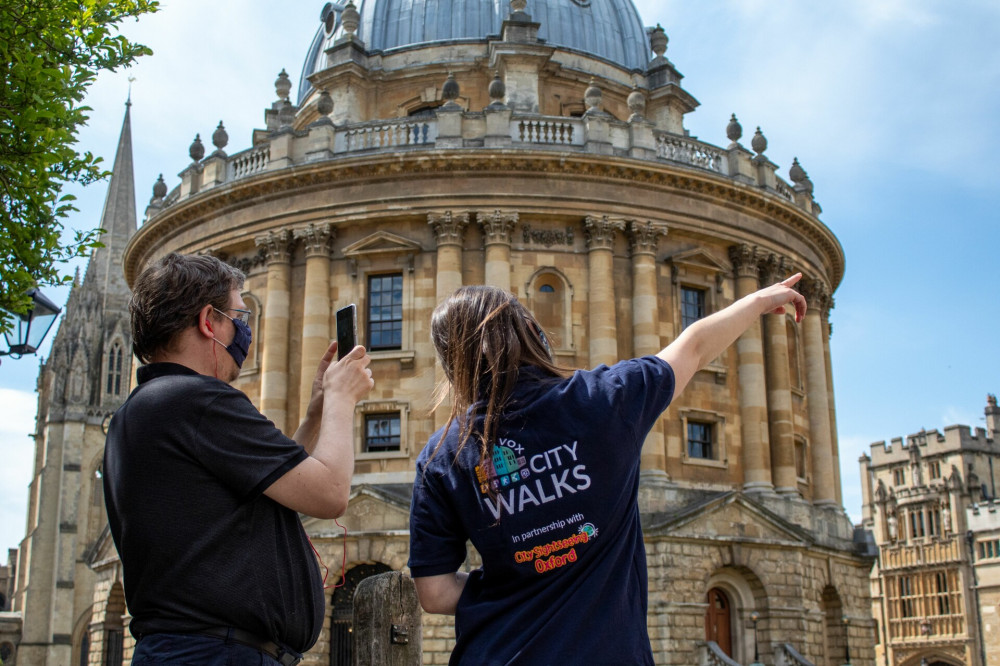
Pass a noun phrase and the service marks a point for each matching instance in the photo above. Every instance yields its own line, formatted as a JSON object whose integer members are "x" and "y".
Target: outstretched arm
{"x": 707, "y": 338}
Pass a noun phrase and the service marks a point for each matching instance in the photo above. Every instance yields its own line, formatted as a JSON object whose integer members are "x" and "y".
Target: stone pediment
{"x": 382, "y": 242}
{"x": 698, "y": 258}
{"x": 370, "y": 509}
{"x": 102, "y": 552}
{"x": 731, "y": 516}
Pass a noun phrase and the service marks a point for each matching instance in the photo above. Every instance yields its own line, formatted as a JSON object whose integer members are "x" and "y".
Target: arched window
{"x": 550, "y": 299}
{"x": 113, "y": 384}
{"x": 114, "y": 626}
{"x": 342, "y": 612}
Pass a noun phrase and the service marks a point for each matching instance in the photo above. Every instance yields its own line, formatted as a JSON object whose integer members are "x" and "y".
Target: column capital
{"x": 600, "y": 231}
{"x": 316, "y": 238}
{"x": 816, "y": 293}
{"x": 278, "y": 245}
{"x": 643, "y": 236}
{"x": 773, "y": 268}
{"x": 448, "y": 227}
{"x": 497, "y": 226}
{"x": 745, "y": 259}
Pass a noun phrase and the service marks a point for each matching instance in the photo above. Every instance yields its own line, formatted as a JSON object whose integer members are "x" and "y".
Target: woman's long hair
{"x": 483, "y": 336}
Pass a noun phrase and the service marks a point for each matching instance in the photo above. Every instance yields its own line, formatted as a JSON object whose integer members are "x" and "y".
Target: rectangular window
{"x": 385, "y": 311}
{"x": 800, "y": 459}
{"x": 906, "y": 596}
{"x": 943, "y": 602}
{"x": 898, "y": 476}
{"x": 382, "y": 432}
{"x": 935, "y": 470}
{"x": 916, "y": 524}
{"x": 934, "y": 521}
{"x": 692, "y": 305}
{"x": 699, "y": 440}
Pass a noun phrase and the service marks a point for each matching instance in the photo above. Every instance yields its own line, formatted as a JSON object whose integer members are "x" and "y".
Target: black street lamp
{"x": 846, "y": 621}
{"x": 755, "y": 618}
{"x": 30, "y": 328}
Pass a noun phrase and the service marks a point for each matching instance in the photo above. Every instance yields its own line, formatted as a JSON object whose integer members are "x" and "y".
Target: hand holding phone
{"x": 347, "y": 330}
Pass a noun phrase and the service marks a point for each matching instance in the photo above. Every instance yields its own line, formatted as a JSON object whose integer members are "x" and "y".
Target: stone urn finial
{"x": 497, "y": 90}
{"x": 636, "y": 104}
{"x": 734, "y": 131}
{"x": 799, "y": 176}
{"x": 518, "y": 6}
{"x": 220, "y": 138}
{"x": 658, "y": 41}
{"x": 350, "y": 19}
{"x": 159, "y": 190}
{"x": 592, "y": 96}
{"x": 450, "y": 90}
{"x": 283, "y": 85}
{"x": 197, "y": 149}
{"x": 324, "y": 105}
{"x": 286, "y": 114}
{"x": 759, "y": 143}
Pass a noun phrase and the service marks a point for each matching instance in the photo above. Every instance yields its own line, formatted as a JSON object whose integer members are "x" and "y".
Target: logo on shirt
{"x": 511, "y": 481}
{"x": 556, "y": 554}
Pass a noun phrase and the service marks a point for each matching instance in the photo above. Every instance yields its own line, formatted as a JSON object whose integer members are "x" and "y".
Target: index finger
{"x": 791, "y": 280}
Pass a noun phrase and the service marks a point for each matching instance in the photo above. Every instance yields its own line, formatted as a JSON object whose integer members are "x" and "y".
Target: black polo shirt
{"x": 186, "y": 463}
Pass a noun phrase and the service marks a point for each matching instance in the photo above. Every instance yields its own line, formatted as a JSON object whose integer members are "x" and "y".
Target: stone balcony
{"x": 497, "y": 128}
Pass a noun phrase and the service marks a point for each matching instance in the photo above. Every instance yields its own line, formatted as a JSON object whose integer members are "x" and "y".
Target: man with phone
{"x": 203, "y": 492}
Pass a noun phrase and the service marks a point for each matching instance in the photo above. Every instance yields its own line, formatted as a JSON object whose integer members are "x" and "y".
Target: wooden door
{"x": 718, "y": 620}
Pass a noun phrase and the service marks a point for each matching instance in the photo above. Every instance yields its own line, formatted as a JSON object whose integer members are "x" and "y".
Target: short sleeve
{"x": 645, "y": 389}
{"x": 242, "y": 448}
{"x": 437, "y": 542}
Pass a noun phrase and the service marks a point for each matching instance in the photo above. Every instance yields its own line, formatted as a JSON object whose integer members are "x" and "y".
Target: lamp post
{"x": 846, "y": 621}
{"x": 30, "y": 328}
{"x": 755, "y": 618}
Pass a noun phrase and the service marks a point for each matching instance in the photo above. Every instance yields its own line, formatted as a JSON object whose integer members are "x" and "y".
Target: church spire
{"x": 104, "y": 271}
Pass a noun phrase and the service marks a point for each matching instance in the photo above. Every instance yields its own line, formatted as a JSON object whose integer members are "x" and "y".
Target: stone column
{"x": 497, "y": 227}
{"x": 316, "y": 241}
{"x": 448, "y": 232}
{"x": 753, "y": 389}
{"x": 817, "y": 398}
{"x": 274, "y": 355}
{"x": 827, "y": 329}
{"x": 780, "y": 419}
{"x": 645, "y": 331}
{"x": 601, "y": 288}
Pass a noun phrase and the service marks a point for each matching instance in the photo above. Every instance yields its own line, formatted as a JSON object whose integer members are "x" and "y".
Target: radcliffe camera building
{"x": 537, "y": 146}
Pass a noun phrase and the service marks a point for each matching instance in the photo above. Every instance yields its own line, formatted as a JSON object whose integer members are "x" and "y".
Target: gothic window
{"x": 907, "y": 598}
{"x": 382, "y": 432}
{"x": 934, "y": 469}
{"x": 917, "y": 524}
{"x": 692, "y": 305}
{"x": 898, "y": 476}
{"x": 385, "y": 311}
{"x": 933, "y": 521}
{"x": 113, "y": 386}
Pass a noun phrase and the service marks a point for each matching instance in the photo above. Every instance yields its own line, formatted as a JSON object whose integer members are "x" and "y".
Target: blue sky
{"x": 892, "y": 106}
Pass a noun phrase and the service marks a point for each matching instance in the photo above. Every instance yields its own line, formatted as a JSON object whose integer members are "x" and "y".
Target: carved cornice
{"x": 448, "y": 228}
{"x": 643, "y": 237}
{"x": 745, "y": 259}
{"x": 317, "y": 239}
{"x": 600, "y": 231}
{"x": 277, "y": 245}
{"x": 497, "y": 226}
{"x": 275, "y": 185}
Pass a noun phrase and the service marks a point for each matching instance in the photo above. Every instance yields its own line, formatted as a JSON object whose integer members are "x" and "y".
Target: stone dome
{"x": 608, "y": 29}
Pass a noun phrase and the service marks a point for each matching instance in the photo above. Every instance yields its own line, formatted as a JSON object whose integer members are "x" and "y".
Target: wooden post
{"x": 387, "y": 622}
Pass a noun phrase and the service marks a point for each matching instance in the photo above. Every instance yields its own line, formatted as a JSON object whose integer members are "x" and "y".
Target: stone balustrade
{"x": 710, "y": 654}
{"x": 602, "y": 135}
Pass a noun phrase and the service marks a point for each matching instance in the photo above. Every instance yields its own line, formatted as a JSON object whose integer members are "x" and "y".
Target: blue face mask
{"x": 240, "y": 346}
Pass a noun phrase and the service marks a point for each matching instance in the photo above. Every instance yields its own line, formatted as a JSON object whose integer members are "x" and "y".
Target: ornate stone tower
{"x": 85, "y": 378}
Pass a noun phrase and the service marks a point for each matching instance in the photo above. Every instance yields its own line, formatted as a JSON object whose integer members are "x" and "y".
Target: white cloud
{"x": 17, "y": 419}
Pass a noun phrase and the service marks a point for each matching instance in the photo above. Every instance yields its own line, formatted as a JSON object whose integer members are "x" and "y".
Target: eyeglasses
{"x": 243, "y": 316}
